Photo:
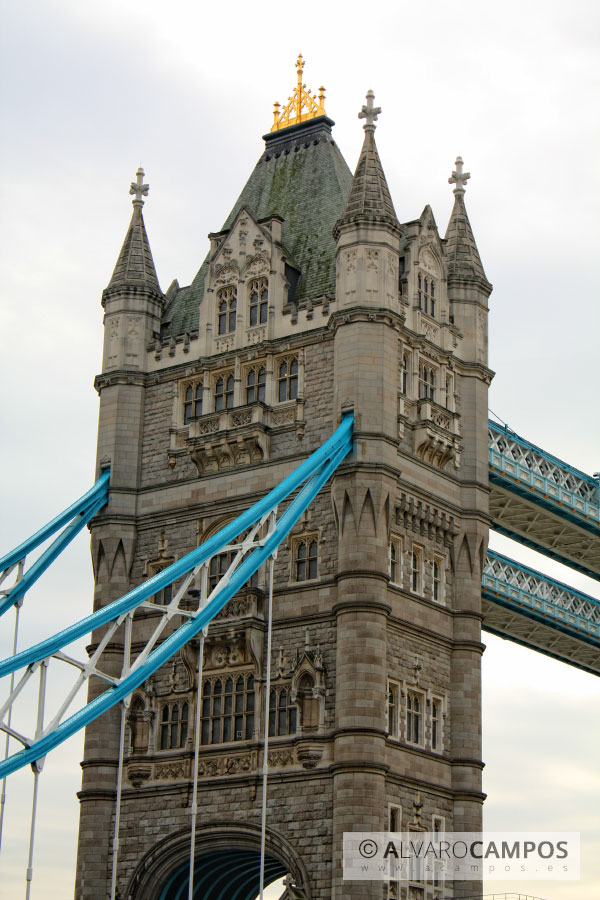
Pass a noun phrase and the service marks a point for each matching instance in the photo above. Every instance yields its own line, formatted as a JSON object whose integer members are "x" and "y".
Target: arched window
{"x": 224, "y": 392}
{"x": 395, "y": 560}
{"x": 309, "y": 704}
{"x": 306, "y": 562}
{"x": 436, "y": 724}
{"x": 414, "y": 712}
{"x": 426, "y": 294}
{"x": 282, "y": 713}
{"x": 393, "y": 709}
{"x": 288, "y": 380}
{"x": 259, "y": 301}
{"x": 416, "y": 575}
{"x": 228, "y": 709}
{"x": 227, "y": 309}
{"x": 173, "y": 726}
{"x": 256, "y": 381}
{"x": 426, "y": 382}
{"x": 404, "y": 374}
{"x": 448, "y": 392}
{"x": 192, "y": 404}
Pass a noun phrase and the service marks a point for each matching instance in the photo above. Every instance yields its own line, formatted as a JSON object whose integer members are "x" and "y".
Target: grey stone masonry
{"x": 375, "y": 695}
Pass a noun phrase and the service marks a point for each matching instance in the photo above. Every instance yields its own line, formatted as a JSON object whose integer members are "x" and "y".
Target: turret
{"x": 468, "y": 287}
{"x": 132, "y": 302}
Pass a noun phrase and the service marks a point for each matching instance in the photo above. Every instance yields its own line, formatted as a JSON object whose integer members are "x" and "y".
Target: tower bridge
{"x": 296, "y": 479}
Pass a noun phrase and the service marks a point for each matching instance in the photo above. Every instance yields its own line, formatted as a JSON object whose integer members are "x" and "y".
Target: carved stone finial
{"x": 458, "y": 177}
{"x": 138, "y": 188}
{"x": 369, "y": 112}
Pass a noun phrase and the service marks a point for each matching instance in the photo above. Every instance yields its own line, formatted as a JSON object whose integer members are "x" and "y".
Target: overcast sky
{"x": 90, "y": 91}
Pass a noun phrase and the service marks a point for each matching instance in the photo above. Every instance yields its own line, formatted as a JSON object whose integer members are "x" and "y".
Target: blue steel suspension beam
{"x": 75, "y": 517}
{"x": 315, "y": 471}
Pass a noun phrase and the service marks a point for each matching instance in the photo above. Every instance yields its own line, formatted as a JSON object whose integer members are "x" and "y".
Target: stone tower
{"x": 314, "y": 299}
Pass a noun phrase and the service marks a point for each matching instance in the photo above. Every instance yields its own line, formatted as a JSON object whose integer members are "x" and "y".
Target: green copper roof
{"x": 302, "y": 177}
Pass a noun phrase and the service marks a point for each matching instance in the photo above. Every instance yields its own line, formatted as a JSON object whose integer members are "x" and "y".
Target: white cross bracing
{"x": 558, "y": 482}
{"x": 90, "y": 667}
{"x": 513, "y": 582}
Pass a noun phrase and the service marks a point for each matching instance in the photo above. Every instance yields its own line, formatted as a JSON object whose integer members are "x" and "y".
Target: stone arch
{"x": 227, "y": 865}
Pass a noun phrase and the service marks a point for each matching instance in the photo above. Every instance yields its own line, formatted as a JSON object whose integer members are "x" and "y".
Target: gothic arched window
{"x": 259, "y": 301}
{"x": 426, "y": 294}
{"x": 306, "y": 559}
{"x": 192, "y": 404}
{"x": 228, "y": 709}
{"x": 414, "y": 713}
{"x": 256, "y": 381}
{"x": 173, "y": 726}
{"x": 287, "y": 380}
{"x": 227, "y": 309}
{"x": 224, "y": 392}
{"x": 426, "y": 382}
{"x": 404, "y": 374}
{"x": 282, "y": 713}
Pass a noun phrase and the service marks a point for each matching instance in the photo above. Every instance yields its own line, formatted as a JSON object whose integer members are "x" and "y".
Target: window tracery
{"x": 427, "y": 379}
{"x": 192, "y": 403}
{"x": 283, "y": 712}
{"x": 228, "y": 705}
{"x": 224, "y": 389}
{"x": 426, "y": 294}
{"x": 258, "y": 292}
{"x": 256, "y": 384}
{"x": 306, "y": 559}
{"x": 287, "y": 379}
{"x": 173, "y": 725}
{"x": 226, "y": 310}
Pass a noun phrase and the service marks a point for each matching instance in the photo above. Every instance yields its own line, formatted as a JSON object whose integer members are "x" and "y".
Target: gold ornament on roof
{"x": 301, "y": 106}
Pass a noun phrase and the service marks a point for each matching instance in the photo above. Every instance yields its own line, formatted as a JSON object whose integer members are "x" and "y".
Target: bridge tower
{"x": 314, "y": 299}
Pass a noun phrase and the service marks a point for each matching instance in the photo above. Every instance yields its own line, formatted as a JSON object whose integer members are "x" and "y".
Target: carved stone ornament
{"x": 257, "y": 265}
{"x": 171, "y": 771}
{"x": 226, "y": 273}
{"x": 234, "y": 764}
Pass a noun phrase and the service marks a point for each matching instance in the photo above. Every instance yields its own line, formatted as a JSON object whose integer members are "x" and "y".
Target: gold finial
{"x": 301, "y": 106}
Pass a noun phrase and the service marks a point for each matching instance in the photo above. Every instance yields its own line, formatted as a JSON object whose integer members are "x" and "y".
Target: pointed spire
{"x": 135, "y": 266}
{"x": 369, "y": 199}
{"x": 464, "y": 262}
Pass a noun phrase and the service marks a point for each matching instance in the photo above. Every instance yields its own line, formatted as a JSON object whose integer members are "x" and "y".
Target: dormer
{"x": 245, "y": 282}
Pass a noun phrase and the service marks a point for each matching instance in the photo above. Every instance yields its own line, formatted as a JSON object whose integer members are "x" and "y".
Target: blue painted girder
{"x": 315, "y": 472}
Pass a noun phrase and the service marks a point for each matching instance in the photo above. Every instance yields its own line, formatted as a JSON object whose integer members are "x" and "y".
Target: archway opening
{"x": 223, "y": 875}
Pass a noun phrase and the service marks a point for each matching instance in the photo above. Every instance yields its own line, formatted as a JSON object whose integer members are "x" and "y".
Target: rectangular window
{"x": 415, "y": 702}
{"x": 173, "y": 726}
{"x": 416, "y": 570}
{"x": 427, "y": 381}
{"x": 436, "y": 724}
{"x": 393, "y": 723}
{"x": 395, "y": 567}
{"x": 438, "y": 826}
{"x": 228, "y": 709}
{"x": 404, "y": 367}
{"x": 224, "y": 386}
{"x": 394, "y": 825}
{"x": 287, "y": 380}
{"x": 282, "y": 713}
{"x": 438, "y": 574}
{"x": 306, "y": 559}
